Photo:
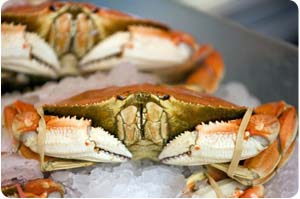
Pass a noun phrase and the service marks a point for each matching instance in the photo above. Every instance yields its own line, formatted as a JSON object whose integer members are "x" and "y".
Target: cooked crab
{"x": 39, "y": 188}
{"x": 56, "y": 39}
{"x": 170, "y": 124}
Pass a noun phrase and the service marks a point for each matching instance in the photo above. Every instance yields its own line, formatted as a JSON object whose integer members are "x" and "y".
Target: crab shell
{"x": 56, "y": 39}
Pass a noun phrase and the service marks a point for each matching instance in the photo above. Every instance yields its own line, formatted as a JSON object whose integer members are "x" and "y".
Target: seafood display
{"x": 172, "y": 125}
{"x": 172, "y": 120}
{"x": 56, "y": 39}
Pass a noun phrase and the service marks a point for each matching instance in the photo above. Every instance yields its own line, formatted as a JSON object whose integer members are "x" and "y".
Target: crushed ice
{"x": 16, "y": 169}
{"x": 122, "y": 75}
{"x": 141, "y": 179}
{"x": 237, "y": 93}
{"x": 130, "y": 179}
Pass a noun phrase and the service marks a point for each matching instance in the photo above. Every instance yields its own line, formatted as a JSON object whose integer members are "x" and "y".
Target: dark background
{"x": 276, "y": 18}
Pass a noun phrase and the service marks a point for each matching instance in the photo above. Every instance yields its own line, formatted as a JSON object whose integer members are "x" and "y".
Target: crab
{"x": 38, "y": 188}
{"x": 172, "y": 125}
{"x": 56, "y": 39}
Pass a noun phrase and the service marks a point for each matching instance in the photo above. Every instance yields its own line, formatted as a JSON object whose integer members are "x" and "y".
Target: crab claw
{"x": 215, "y": 142}
{"x": 26, "y": 52}
{"x": 72, "y": 138}
{"x": 138, "y": 45}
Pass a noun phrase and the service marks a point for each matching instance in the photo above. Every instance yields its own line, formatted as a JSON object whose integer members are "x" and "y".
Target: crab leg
{"x": 44, "y": 188}
{"x": 209, "y": 71}
{"x": 230, "y": 188}
{"x": 277, "y": 154}
{"x": 265, "y": 164}
{"x": 39, "y": 188}
{"x": 226, "y": 187}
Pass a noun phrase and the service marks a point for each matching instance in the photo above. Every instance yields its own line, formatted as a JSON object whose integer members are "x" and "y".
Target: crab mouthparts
{"x": 143, "y": 128}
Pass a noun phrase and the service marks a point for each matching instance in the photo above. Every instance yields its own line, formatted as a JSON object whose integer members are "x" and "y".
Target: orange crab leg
{"x": 287, "y": 134}
{"x": 20, "y": 117}
{"x": 288, "y": 126}
{"x": 272, "y": 108}
{"x": 23, "y": 106}
{"x": 286, "y": 156}
{"x": 216, "y": 174}
{"x": 232, "y": 190}
{"x": 43, "y": 187}
{"x": 20, "y": 191}
{"x": 288, "y": 122}
{"x": 253, "y": 192}
{"x": 277, "y": 154}
{"x": 210, "y": 71}
{"x": 29, "y": 154}
{"x": 38, "y": 188}
{"x": 265, "y": 162}
{"x": 18, "y": 107}
{"x": 9, "y": 114}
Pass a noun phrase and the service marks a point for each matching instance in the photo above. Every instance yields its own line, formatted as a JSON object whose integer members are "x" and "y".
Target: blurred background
{"x": 274, "y": 18}
{"x": 278, "y": 19}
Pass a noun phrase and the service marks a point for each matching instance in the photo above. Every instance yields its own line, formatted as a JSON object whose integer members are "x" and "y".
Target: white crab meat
{"x": 148, "y": 51}
{"x": 80, "y": 142}
{"x": 26, "y": 52}
{"x": 215, "y": 143}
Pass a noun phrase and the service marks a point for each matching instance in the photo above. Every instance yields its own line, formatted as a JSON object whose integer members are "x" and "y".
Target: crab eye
{"x": 164, "y": 97}
{"x": 52, "y": 7}
{"x": 120, "y": 97}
